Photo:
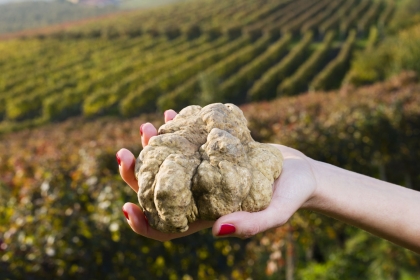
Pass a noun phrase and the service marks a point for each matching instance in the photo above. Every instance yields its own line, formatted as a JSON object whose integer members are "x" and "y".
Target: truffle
{"x": 202, "y": 165}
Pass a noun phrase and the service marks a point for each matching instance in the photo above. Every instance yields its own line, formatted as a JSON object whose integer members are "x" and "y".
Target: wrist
{"x": 317, "y": 199}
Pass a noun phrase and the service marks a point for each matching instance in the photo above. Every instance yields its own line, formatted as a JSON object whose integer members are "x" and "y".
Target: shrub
{"x": 393, "y": 55}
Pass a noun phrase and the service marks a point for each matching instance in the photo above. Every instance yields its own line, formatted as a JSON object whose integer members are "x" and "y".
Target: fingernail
{"x": 226, "y": 229}
{"x": 126, "y": 214}
{"x": 118, "y": 159}
{"x": 141, "y": 130}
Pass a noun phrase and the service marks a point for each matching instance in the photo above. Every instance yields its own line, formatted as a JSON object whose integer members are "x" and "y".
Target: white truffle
{"x": 202, "y": 165}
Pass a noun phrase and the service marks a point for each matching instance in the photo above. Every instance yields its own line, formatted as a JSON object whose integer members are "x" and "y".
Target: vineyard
{"x": 148, "y": 61}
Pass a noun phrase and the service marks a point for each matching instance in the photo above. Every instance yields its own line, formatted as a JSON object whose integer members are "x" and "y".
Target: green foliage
{"x": 373, "y": 38}
{"x": 405, "y": 16}
{"x": 355, "y": 262}
{"x": 392, "y": 56}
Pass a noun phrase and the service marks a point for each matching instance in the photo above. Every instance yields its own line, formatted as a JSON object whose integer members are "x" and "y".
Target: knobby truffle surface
{"x": 202, "y": 165}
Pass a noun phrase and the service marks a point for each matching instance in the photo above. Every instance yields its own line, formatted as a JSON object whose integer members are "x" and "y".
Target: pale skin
{"x": 381, "y": 208}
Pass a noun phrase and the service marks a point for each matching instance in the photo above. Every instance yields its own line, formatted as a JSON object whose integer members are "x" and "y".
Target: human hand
{"x": 291, "y": 191}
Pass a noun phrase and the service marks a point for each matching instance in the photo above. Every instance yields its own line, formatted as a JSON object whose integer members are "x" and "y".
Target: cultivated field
{"x": 200, "y": 52}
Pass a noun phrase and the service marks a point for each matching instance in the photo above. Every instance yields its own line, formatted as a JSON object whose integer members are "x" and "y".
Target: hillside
{"x": 27, "y": 15}
{"x": 60, "y": 200}
{"x": 196, "y": 52}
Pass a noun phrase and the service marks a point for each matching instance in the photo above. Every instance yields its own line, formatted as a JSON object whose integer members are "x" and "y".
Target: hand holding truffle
{"x": 203, "y": 165}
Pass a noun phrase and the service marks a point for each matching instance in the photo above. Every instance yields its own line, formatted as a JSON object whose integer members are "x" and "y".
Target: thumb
{"x": 244, "y": 224}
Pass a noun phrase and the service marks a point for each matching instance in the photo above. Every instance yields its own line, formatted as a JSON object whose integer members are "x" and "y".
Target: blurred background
{"x": 336, "y": 79}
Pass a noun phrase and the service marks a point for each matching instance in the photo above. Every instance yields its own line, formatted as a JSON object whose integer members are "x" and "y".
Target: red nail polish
{"x": 226, "y": 229}
{"x": 126, "y": 214}
{"x": 118, "y": 159}
{"x": 141, "y": 130}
